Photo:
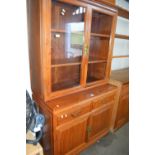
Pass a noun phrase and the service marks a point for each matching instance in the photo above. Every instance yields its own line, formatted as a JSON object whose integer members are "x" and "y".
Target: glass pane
{"x": 122, "y": 3}
{"x": 120, "y": 63}
{"x": 67, "y": 44}
{"x": 99, "y": 46}
{"x": 67, "y": 33}
{"x": 65, "y": 48}
{"x": 101, "y": 23}
{"x": 65, "y": 77}
{"x": 96, "y": 71}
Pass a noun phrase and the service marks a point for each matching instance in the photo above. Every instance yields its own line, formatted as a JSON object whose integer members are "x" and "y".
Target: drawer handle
{"x": 75, "y": 114}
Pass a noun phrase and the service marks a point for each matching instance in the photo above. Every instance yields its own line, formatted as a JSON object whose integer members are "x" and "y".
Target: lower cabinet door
{"x": 99, "y": 123}
{"x": 71, "y": 136}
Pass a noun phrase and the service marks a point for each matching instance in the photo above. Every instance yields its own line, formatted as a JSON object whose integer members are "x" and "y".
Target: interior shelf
{"x": 64, "y": 31}
{"x": 96, "y": 61}
{"x": 92, "y": 34}
{"x": 121, "y": 36}
{"x": 123, "y": 12}
{"x": 58, "y": 30}
{"x": 64, "y": 85}
{"x": 77, "y": 63}
{"x": 66, "y": 64}
{"x": 69, "y": 61}
{"x": 100, "y": 35}
{"x": 91, "y": 79}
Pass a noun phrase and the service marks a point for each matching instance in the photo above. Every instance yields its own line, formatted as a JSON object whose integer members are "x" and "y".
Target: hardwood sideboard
{"x": 76, "y": 121}
{"x": 70, "y": 52}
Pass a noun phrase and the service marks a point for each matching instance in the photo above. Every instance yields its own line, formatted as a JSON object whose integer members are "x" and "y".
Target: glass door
{"x": 99, "y": 46}
{"x": 67, "y": 44}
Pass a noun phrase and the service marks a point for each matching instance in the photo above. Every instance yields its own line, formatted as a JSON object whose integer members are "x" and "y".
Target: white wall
{"x": 123, "y": 3}
{"x": 121, "y": 46}
{"x": 122, "y": 26}
{"x": 120, "y": 63}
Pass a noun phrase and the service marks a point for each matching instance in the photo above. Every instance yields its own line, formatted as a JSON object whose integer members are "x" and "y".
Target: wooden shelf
{"x": 100, "y": 35}
{"x": 65, "y": 85}
{"x": 77, "y": 63}
{"x": 96, "y": 61}
{"x": 121, "y": 36}
{"x": 121, "y": 75}
{"x": 58, "y": 30}
{"x": 121, "y": 56}
{"x": 66, "y": 64}
{"x": 123, "y": 12}
{"x": 64, "y": 31}
{"x": 92, "y": 79}
{"x": 92, "y": 34}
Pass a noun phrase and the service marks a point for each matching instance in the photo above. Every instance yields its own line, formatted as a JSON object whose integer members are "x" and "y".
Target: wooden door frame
{"x": 65, "y": 126}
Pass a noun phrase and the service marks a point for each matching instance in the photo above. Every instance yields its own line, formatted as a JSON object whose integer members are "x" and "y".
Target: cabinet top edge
{"x": 80, "y": 97}
{"x": 101, "y": 4}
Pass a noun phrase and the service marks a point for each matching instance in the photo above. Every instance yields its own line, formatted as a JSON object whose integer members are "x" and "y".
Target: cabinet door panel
{"x": 101, "y": 29}
{"x": 100, "y": 122}
{"x": 71, "y": 136}
{"x": 67, "y": 28}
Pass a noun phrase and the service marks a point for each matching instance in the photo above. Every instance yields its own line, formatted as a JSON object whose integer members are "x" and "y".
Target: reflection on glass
{"x": 67, "y": 44}
{"x": 74, "y": 40}
{"x": 67, "y": 33}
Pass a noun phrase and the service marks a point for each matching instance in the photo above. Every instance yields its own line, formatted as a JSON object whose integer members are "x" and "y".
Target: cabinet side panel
{"x": 123, "y": 107}
{"x": 47, "y": 139}
{"x": 33, "y": 17}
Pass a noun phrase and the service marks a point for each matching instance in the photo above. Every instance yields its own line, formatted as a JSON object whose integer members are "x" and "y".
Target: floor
{"x": 112, "y": 144}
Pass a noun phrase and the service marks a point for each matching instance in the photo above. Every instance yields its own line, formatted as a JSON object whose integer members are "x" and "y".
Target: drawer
{"x": 73, "y": 113}
{"x": 125, "y": 90}
{"x": 103, "y": 100}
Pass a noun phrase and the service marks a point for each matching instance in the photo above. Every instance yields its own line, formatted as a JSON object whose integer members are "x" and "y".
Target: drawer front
{"x": 103, "y": 100}
{"x": 73, "y": 113}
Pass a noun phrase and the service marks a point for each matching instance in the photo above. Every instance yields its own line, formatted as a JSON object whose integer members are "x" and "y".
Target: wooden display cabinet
{"x": 70, "y": 50}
